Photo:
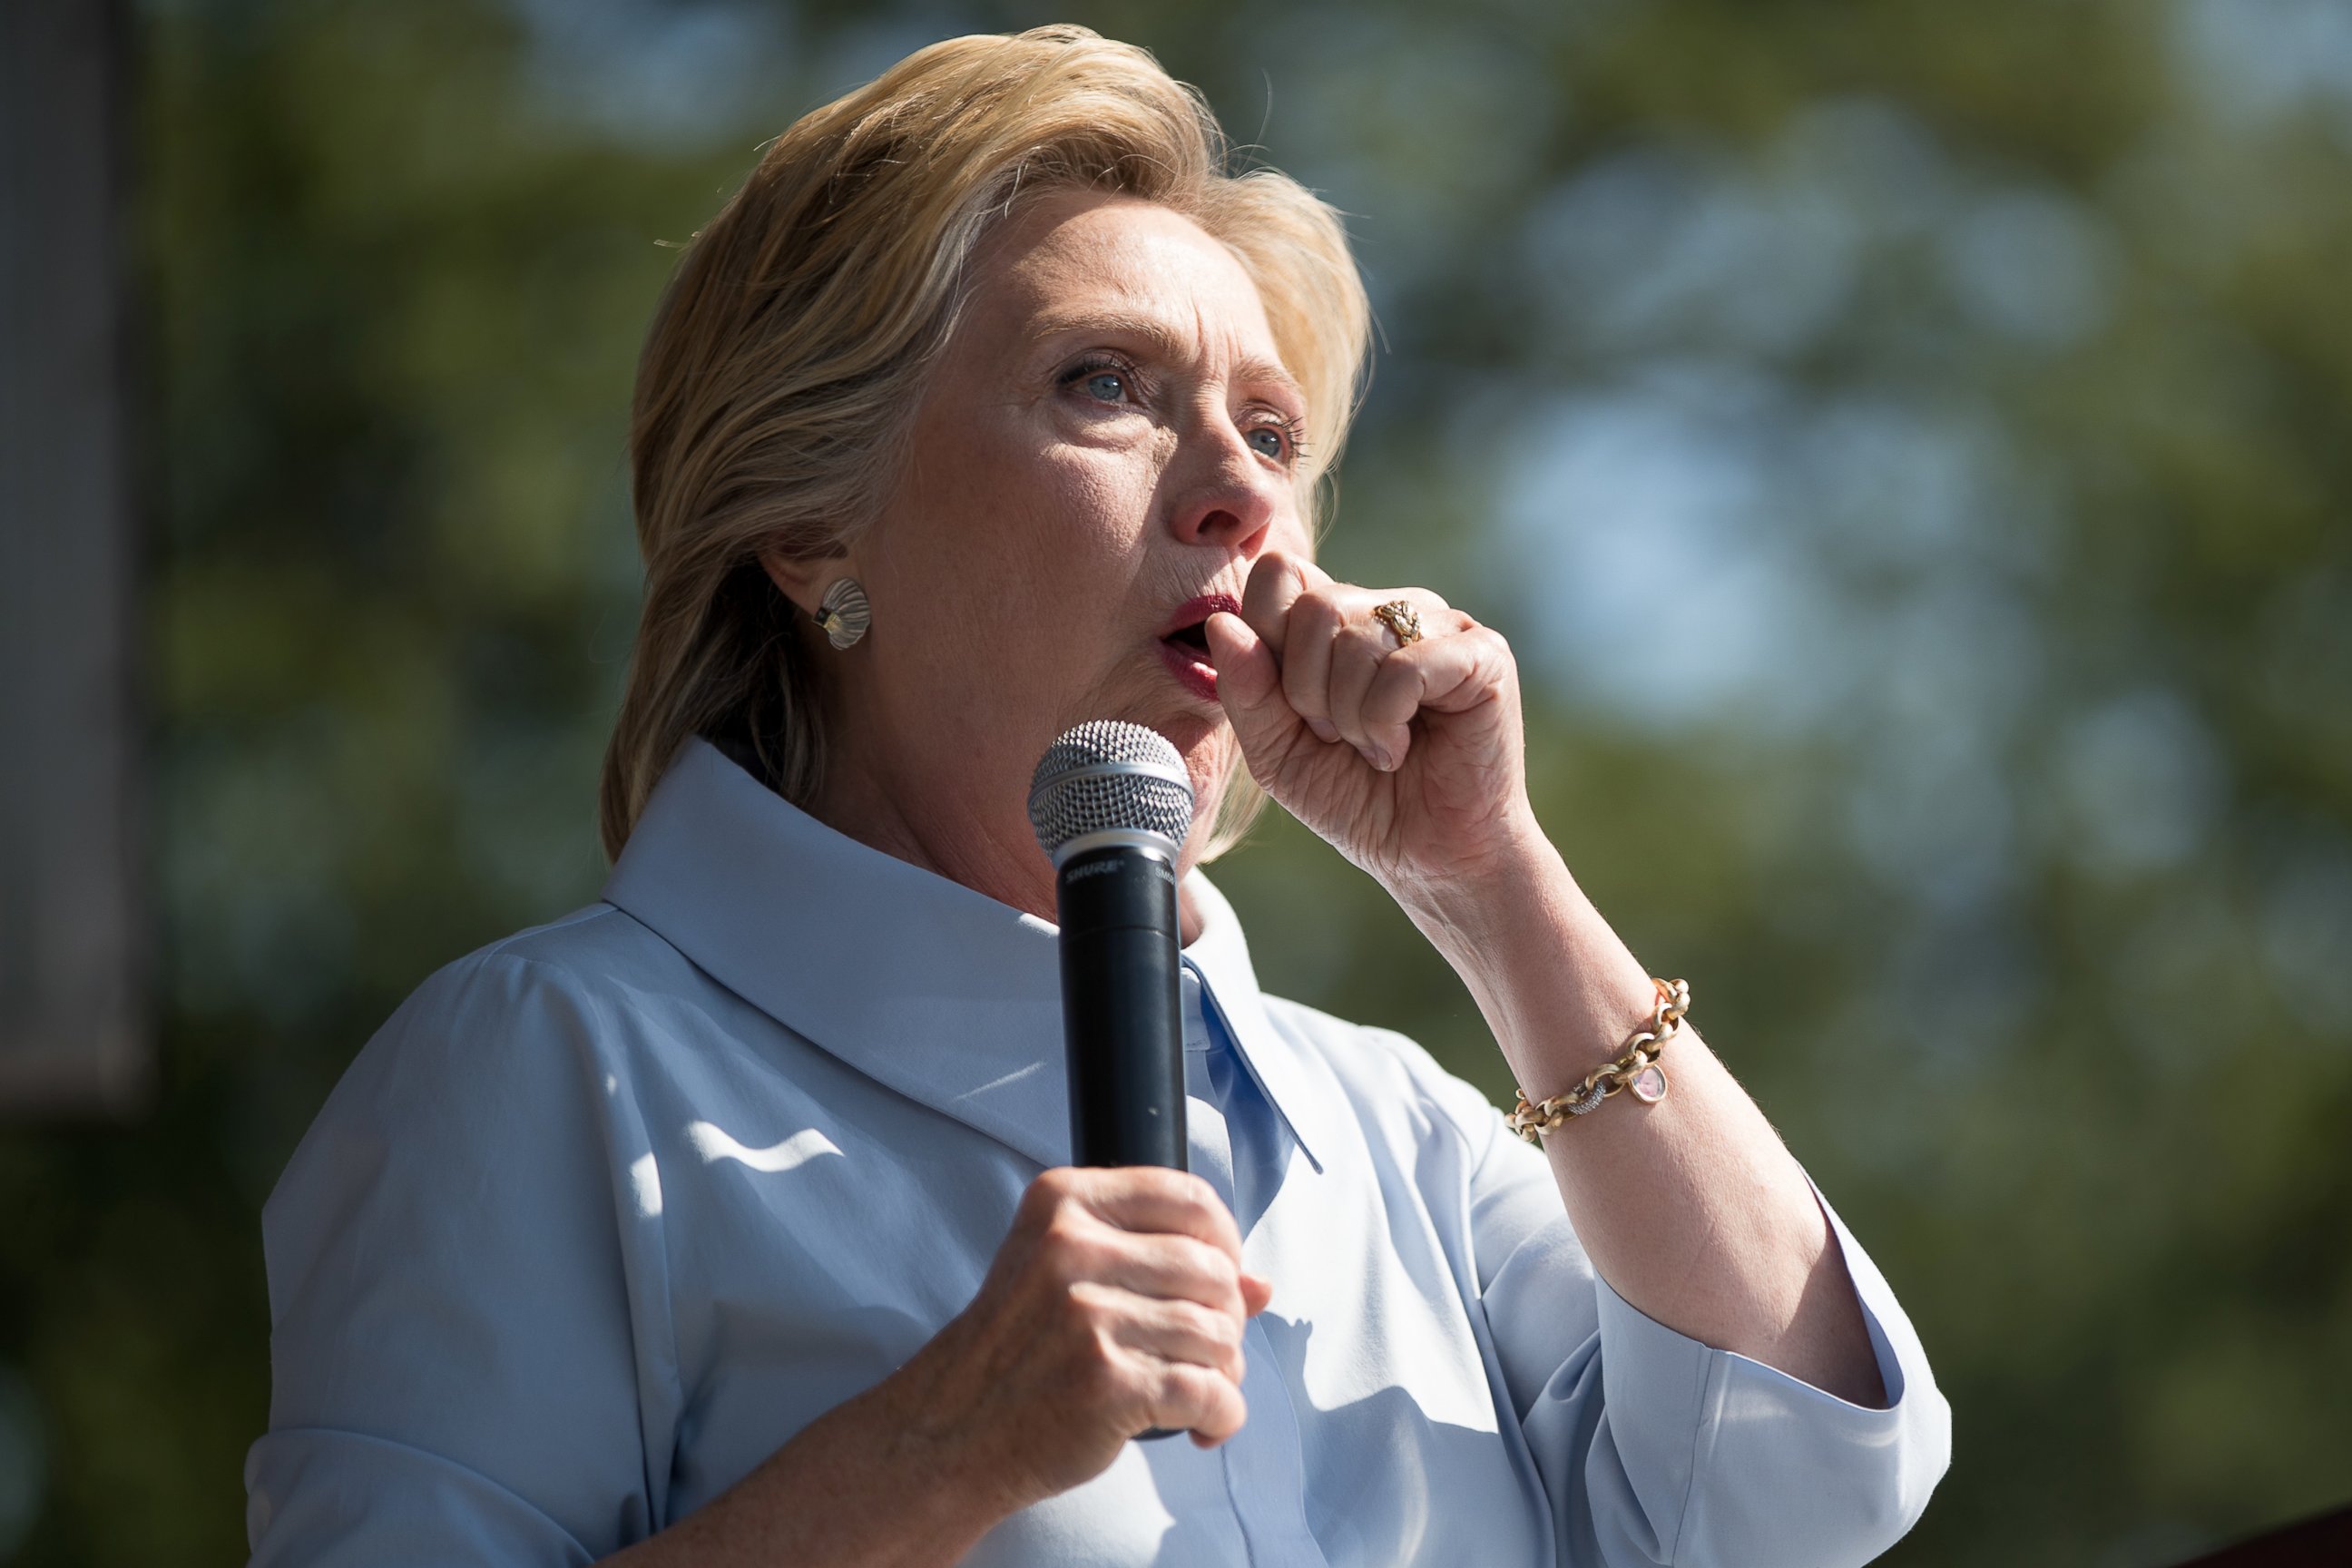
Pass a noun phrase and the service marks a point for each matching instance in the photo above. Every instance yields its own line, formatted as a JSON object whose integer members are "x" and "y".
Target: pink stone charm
{"x": 1649, "y": 1085}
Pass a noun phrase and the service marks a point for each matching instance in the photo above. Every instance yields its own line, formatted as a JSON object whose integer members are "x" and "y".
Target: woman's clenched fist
{"x": 1407, "y": 757}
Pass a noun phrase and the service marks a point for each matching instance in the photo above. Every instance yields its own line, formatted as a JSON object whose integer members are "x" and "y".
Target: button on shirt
{"x": 610, "y": 1210}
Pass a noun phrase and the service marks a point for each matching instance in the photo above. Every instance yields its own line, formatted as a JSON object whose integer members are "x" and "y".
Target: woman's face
{"x": 1108, "y": 442}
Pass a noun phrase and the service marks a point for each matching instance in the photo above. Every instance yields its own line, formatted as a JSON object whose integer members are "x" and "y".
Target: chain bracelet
{"x": 1635, "y": 1069}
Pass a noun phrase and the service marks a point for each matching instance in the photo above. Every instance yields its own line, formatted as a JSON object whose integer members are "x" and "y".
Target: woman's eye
{"x": 1107, "y": 387}
{"x": 1274, "y": 445}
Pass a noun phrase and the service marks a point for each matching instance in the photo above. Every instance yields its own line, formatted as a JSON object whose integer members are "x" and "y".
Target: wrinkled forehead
{"x": 1075, "y": 257}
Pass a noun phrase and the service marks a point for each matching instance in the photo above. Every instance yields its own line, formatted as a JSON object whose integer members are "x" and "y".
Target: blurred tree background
{"x": 1906, "y": 444}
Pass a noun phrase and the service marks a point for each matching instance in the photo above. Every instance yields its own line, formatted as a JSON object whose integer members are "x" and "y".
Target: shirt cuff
{"x": 1740, "y": 1463}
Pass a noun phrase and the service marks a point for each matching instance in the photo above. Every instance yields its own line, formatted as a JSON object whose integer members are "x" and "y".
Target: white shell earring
{"x": 844, "y": 613}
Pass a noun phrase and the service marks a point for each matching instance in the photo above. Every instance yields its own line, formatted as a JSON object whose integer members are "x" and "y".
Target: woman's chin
{"x": 1159, "y": 700}
{"x": 1204, "y": 739}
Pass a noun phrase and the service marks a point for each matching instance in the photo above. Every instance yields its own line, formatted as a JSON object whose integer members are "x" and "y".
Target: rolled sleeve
{"x": 1656, "y": 1448}
{"x": 320, "y": 1495}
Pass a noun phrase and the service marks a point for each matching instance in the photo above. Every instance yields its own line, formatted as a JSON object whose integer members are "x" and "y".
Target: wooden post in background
{"x": 74, "y": 1021}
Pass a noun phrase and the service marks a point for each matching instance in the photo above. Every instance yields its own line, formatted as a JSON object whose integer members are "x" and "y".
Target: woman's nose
{"x": 1230, "y": 494}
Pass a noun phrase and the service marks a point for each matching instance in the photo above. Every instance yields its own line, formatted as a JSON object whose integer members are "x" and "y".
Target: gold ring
{"x": 1401, "y": 617}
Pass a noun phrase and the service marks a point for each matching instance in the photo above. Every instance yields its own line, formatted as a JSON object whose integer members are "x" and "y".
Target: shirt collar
{"x": 941, "y": 992}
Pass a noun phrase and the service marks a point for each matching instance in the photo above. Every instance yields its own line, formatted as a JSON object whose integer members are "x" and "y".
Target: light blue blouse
{"x": 611, "y": 1209}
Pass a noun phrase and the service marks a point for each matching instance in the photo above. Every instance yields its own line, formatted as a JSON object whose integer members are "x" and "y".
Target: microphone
{"x": 1112, "y": 804}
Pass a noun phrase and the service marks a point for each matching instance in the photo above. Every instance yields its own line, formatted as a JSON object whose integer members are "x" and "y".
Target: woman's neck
{"x": 946, "y": 838}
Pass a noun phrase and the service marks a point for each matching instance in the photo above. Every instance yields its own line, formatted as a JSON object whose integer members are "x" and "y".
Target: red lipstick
{"x": 1184, "y": 642}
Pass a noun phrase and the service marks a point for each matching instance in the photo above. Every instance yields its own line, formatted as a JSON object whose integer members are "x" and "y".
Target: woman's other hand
{"x": 1115, "y": 1305}
{"x": 1410, "y": 759}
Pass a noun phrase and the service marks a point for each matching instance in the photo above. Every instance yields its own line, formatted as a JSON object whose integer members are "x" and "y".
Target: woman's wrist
{"x": 871, "y": 1482}
{"x": 923, "y": 1492}
{"x": 1543, "y": 966}
{"x": 1460, "y": 903}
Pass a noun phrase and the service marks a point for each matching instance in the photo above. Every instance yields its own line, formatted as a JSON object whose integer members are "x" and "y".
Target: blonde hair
{"x": 803, "y": 319}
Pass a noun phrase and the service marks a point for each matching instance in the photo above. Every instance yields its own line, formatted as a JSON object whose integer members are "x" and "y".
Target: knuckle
{"x": 1216, "y": 1406}
{"x": 1197, "y": 1193}
{"x": 1220, "y": 1329}
{"x": 1189, "y": 1255}
{"x": 1199, "y": 1321}
{"x": 1179, "y": 1186}
{"x": 1210, "y": 1263}
{"x": 1047, "y": 1193}
{"x": 1087, "y": 1312}
{"x": 1097, "y": 1375}
{"x": 1188, "y": 1387}
{"x": 1150, "y": 1181}
{"x": 1271, "y": 580}
{"x": 1067, "y": 1251}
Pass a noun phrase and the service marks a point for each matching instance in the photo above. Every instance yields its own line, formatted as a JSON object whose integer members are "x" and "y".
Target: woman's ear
{"x": 804, "y": 579}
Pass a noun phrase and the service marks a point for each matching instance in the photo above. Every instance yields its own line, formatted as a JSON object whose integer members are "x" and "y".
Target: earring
{"x": 844, "y": 613}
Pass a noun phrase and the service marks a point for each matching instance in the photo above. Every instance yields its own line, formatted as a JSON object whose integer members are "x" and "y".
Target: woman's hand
{"x": 1410, "y": 759}
{"x": 1115, "y": 1304}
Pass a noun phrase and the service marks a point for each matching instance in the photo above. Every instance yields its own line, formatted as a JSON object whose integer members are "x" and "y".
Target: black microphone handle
{"x": 1122, "y": 1012}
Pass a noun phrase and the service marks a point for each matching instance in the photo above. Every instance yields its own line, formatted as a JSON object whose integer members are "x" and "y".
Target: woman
{"x": 730, "y": 1220}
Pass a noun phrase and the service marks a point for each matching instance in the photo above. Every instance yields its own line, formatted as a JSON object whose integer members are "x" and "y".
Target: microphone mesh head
{"x": 1105, "y": 774}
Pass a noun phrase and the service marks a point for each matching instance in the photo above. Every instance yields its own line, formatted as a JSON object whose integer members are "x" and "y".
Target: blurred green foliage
{"x": 1906, "y": 444}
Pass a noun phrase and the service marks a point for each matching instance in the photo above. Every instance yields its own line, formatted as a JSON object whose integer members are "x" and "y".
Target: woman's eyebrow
{"x": 1165, "y": 340}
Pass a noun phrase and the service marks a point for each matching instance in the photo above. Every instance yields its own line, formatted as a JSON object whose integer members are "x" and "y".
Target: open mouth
{"x": 1189, "y": 635}
{"x": 1194, "y": 637}
{"x": 1184, "y": 645}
